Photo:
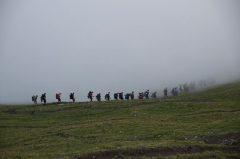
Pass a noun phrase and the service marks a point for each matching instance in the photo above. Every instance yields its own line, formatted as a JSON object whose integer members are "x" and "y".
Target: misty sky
{"x": 111, "y": 46}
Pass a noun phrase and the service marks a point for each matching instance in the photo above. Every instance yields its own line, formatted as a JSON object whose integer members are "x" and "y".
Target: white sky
{"x": 129, "y": 45}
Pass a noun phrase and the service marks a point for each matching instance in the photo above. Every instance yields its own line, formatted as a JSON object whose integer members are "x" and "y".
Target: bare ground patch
{"x": 224, "y": 139}
{"x": 230, "y": 142}
{"x": 159, "y": 151}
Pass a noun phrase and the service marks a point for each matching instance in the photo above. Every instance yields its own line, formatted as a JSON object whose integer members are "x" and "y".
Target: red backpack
{"x": 57, "y": 96}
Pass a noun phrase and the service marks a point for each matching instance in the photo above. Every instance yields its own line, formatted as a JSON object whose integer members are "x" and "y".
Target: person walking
{"x": 132, "y": 95}
{"x": 121, "y": 96}
{"x": 154, "y": 95}
{"x": 90, "y": 95}
{"x": 165, "y": 91}
{"x": 34, "y": 99}
{"x": 71, "y": 95}
{"x": 107, "y": 96}
{"x": 127, "y": 96}
{"x": 146, "y": 94}
{"x": 98, "y": 96}
{"x": 58, "y": 97}
{"x": 115, "y": 96}
{"x": 43, "y": 98}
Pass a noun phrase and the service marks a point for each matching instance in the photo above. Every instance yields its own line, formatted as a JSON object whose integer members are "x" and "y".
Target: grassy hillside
{"x": 122, "y": 128}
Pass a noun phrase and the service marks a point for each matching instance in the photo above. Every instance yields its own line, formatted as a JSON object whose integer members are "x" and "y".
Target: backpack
{"x": 146, "y": 93}
{"x": 120, "y": 95}
{"x": 115, "y": 95}
{"x": 33, "y": 98}
{"x": 106, "y": 96}
{"x": 42, "y": 97}
{"x": 88, "y": 95}
{"x": 57, "y": 96}
{"x": 71, "y": 96}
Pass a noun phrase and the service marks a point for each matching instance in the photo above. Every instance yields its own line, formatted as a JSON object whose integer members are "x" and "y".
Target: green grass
{"x": 62, "y": 131}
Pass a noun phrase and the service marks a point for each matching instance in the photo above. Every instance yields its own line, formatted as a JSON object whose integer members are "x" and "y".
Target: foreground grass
{"x": 63, "y": 131}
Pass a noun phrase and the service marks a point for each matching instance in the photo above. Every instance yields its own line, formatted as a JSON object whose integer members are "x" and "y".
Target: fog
{"x": 114, "y": 46}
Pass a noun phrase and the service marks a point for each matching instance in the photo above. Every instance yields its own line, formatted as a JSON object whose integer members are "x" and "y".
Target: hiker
{"x": 34, "y": 99}
{"x": 154, "y": 95}
{"x": 107, "y": 96}
{"x": 98, "y": 96}
{"x": 115, "y": 96}
{"x": 173, "y": 90}
{"x": 140, "y": 95}
{"x": 90, "y": 95}
{"x": 132, "y": 95}
{"x": 176, "y": 91}
{"x": 71, "y": 96}
{"x": 121, "y": 96}
{"x": 43, "y": 98}
{"x": 165, "y": 92}
{"x": 58, "y": 97}
{"x": 181, "y": 87}
{"x": 127, "y": 96}
{"x": 146, "y": 94}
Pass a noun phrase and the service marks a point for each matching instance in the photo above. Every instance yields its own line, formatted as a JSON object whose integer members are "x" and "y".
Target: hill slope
{"x": 192, "y": 125}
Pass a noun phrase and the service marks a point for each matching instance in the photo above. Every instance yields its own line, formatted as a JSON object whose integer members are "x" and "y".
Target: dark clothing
{"x": 90, "y": 95}
{"x": 98, "y": 96}
{"x": 140, "y": 96}
{"x": 165, "y": 92}
{"x": 72, "y": 97}
{"x": 146, "y": 94}
{"x": 132, "y": 96}
{"x": 107, "y": 96}
{"x": 121, "y": 96}
{"x": 43, "y": 98}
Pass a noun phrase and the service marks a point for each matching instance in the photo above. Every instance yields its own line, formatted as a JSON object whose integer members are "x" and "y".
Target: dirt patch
{"x": 154, "y": 152}
{"x": 224, "y": 139}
